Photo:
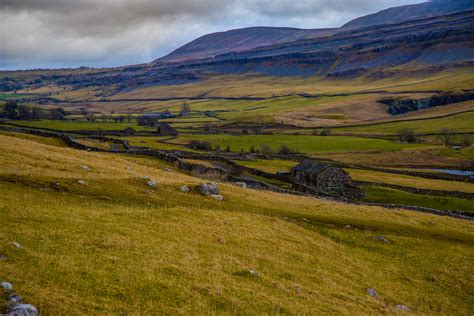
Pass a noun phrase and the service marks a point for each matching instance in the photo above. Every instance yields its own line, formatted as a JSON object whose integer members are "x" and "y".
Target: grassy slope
{"x": 182, "y": 253}
{"x": 80, "y": 125}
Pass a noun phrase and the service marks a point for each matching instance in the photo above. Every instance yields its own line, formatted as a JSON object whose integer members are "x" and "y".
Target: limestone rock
{"x": 217, "y": 197}
{"x": 81, "y": 182}
{"x": 381, "y": 238}
{"x": 22, "y": 310}
{"x": 7, "y": 286}
{"x": 86, "y": 167}
{"x": 15, "y": 244}
{"x": 151, "y": 184}
{"x": 184, "y": 189}
{"x": 15, "y": 298}
{"x": 210, "y": 188}
{"x": 402, "y": 308}
{"x": 243, "y": 185}
{"x": 372, "y": 292}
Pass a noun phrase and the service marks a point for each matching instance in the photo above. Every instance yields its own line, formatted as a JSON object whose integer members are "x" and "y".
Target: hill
{"x": 112, "y": 245}
{"x": 411, "y": 12}
{"x": 239, "y": 40}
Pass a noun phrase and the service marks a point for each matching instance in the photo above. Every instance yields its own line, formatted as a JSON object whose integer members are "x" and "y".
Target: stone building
{"x": 164, "y": 129}
{"x": 323, "y": 178}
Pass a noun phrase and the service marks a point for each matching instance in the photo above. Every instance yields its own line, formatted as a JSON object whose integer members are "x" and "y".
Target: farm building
{"x": 128, "y": 131}
{"x": 164, "y": 129}
{"x": 323, "y": 178}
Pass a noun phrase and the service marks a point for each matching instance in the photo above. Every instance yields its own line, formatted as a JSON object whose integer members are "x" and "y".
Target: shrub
{"x": 199, "y": 145}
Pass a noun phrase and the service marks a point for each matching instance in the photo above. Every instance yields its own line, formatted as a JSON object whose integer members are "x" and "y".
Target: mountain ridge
{"x": 247, "y": 39}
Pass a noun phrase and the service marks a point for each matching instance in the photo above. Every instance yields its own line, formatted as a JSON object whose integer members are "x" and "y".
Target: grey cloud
{"x": 58, "y": 33}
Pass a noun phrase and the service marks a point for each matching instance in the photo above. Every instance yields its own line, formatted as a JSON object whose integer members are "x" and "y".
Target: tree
{"x": 266, "y": 149}
{"x": 185, "y": 109}
{"x": 24, "y": 113}
{"x": 407, "y": 135}
{"x": 56, "y": 114}
{"x": 446, "y": 135}
{"x": 11, "y": 110}
{"x": 37, "y": 113}
{"x": 326, "y": 131}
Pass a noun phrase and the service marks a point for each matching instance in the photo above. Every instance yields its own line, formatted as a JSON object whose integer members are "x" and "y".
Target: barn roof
{"x": 312, "y": 166}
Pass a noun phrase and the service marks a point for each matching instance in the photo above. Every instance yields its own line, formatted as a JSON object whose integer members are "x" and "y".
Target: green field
{"x": 459, "y": 122}
{"x": 272, "y": 166}
{"x": 391, "y": 196}
{"x": 304, "y": 144}
{"x": 115, "y": 246}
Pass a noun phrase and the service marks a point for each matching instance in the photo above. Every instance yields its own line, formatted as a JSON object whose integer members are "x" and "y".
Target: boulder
{"x": 217, "y": 197}
{"x": 15, "y": 298}
{"x": 381, "y": 238}
{"x": 241, "y": 184}
{"x": 184, "y": 189}
{"x": 22, "y": 310}
{"x": 372, "y": 292}
{"x": 7, "y": 286}
{"x": 81, "y": 182}
{"x": 402, "y": 308}
{"x": 15, "y": 244}
{"x": 151, "y": 183}
{"x": 86, "y": 167}
{"x": 210, "y": 188}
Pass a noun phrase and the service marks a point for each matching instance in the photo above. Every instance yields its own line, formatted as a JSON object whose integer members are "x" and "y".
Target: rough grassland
{"x": 110, "y": 248}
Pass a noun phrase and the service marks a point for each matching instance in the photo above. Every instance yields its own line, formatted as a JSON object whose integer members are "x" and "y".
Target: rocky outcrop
{"x": 400, "y": 106}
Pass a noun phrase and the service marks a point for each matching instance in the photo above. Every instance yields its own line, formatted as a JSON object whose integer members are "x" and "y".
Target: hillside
{"x": 114, "y": 246}
{"x": 239, "y": 40}
{"x": 411, "y": 12}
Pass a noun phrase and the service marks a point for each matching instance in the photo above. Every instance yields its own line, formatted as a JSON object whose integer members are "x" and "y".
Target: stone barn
{"x": 324, "y": 178}
{"x": 128, "y": 131}
{"x": 166, "y": 130}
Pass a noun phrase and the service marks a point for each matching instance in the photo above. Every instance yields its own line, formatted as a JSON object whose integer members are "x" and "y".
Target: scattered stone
{"x": 297, "y": 289}
{"x": 129, "y": 167}
{"x": 381, "y": 238}
{"x": 146, "y": 178}
{"x": 151, "y": 183}
{"x": 7, "y": 286}
{"x": 217, "y": 197}
{"x": 81, "y": 182}
{"x": 15, "y": 244}
{"x": 249, "y": 273}
{"x": 15, "y": 298}
{"x": 372, "y": 292}
{"x": 168, "y": 170}
{"x": 86, "y": 167}
{"x": 22, "y": 310}
{"x": 402, "y": 308}
{"x": 148, "y": 192}
{"x": 184, "y": 189}
{"x": 348, "y": 226}
{"x": 210, "y": 188}
{"x": 243, "y": 185}
{"x": 3, "y": 257}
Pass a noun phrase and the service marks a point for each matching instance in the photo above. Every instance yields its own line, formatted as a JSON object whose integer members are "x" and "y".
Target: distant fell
{"x": 239, "y": 40}
{"x": 411, "y": 12}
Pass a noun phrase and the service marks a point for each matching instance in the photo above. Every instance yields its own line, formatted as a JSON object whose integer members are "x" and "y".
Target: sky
{"x": 106, "y": 33}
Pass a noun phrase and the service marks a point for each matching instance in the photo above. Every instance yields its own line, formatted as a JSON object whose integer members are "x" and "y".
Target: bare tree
{"x": 407, "y": 135}
{"x": 446, "y": 135}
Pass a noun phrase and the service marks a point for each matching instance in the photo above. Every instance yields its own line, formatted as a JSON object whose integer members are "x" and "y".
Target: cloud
{"x": 62, "y": 33}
